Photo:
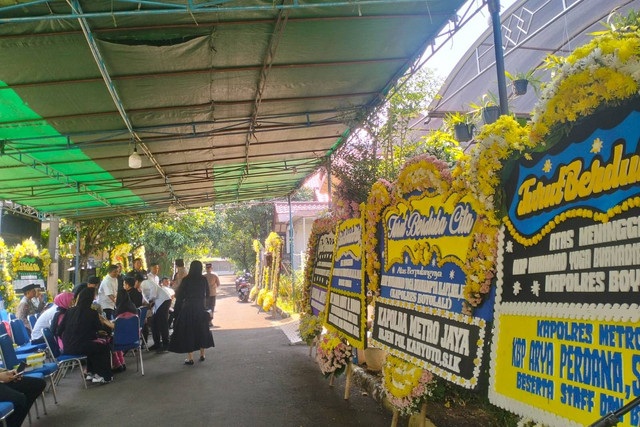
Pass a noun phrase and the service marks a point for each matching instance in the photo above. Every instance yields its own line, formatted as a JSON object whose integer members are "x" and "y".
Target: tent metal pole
{"x": 494, "y": 9}
{"x": 77, "y": 270}
{"x": 329, "y": 181}
{"x": 293, "y": 271}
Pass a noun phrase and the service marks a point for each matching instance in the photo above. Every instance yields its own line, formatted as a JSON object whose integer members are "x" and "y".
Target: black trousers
{"x": 160, "y": 325}
{"x": 211, "y": 304}
{"x": 22, "y": 394}
{"x": 98, "y": 358}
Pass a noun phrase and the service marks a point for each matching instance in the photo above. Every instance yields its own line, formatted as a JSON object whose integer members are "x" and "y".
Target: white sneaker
{"x": 89, "y": 377}
{"x": 97, "y": 379}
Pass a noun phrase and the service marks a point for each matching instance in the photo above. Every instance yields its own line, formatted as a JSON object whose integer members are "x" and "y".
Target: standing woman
{"x": 191, "y": 330}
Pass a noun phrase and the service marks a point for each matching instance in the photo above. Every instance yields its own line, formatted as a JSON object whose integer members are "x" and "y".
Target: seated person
{"x": 93, "y": 282}
{"x": 124, "y": 309}
{"x": 22, "y": 392}
{"x": 44, "y": 321}
{"x": 27, "y": 306}
{"x": 80, "y": 329}
{"x": 63, "y": 302}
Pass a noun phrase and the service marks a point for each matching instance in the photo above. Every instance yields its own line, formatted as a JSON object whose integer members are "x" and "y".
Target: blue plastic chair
{"x": 142, "y": 315}
{"x": 21, "y": 338}
{"x": 64, "y": 361}
{"x": 126, "y": 336}
{"x": 32, "y": 320}
{"x": 6, "y": 409}
{"x": 10, "y": 360}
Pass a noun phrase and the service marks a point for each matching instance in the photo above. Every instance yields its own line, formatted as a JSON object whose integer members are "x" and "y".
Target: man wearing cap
{"x": 26, "y": 306}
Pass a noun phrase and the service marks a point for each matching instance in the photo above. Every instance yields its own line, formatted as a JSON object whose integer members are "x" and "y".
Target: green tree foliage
{"x": 387, "y": 137}
{"x": 240, "y": 226}
{"x": 189, "y": 234}
{"x": 303, "y": 194}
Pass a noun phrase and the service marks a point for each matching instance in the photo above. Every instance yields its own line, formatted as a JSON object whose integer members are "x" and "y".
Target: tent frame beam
{"x": 76, "y": 9}
{"x": 218, "y": 7}
{"x": 166, "y": 74}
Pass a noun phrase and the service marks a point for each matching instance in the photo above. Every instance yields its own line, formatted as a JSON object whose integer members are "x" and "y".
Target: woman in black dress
{"x": 191, "y": 329}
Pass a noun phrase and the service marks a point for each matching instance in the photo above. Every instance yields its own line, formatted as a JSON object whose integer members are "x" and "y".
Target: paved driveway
{"x": 253, "y": 377}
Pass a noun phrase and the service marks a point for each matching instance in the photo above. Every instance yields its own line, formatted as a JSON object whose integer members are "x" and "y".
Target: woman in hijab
{"x": 63, "y": 301}
{"x": 191, "y": 330}
{"x": 124, "y": 309}
{"x": 79, "y": 329}
{"x": 124, "y": 303}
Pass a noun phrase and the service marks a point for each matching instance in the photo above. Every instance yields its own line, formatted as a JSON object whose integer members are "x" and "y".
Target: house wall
{"x": 301, "y": 233}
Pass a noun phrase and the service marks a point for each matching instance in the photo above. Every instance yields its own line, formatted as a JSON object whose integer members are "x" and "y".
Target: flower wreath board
{"x": 427, "y": 234}
{"x": 28, "y": 266}
{"x": 345, "y": 312}
{"x": 321, "y": 271}
{"x": 567, "y": 340}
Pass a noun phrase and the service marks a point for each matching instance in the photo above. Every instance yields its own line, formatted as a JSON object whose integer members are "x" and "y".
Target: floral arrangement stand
{"x": 311, "y": 346}
{"x": 422, "y": 417}
{"x": 347, "y": 386}
{"x": 333, "y": 354}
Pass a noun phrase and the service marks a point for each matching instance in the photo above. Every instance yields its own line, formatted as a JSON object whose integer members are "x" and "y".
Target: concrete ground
{"x": 253, "y": 377}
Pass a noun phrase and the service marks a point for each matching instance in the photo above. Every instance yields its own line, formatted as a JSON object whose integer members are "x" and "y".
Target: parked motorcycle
{"x": 243, "y": 291}
{"x": 243, "y": 286}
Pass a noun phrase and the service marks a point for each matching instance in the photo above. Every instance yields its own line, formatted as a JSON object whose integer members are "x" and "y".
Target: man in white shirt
{"x": 108, "y": 291}
{"x": 154, "y": 269}
{"x": 160, "y": 299}
{"x": 44, "y": 321}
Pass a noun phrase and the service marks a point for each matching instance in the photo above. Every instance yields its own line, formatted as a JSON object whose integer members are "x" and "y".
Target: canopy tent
{"x": 226, "y": 101}
{"x": 531, "y": 29}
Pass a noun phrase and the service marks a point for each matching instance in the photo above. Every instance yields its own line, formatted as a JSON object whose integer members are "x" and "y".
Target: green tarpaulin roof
{"x": 226, "y": 100}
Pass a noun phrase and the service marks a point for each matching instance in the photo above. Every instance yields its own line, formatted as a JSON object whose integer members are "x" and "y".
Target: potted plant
{"x": 460, "y": 124}
{"x": 487, "y": 108}
{"x": 520, "y": 81}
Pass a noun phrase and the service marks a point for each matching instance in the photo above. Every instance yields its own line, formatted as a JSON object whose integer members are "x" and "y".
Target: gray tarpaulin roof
{"x": 225, "y": 100}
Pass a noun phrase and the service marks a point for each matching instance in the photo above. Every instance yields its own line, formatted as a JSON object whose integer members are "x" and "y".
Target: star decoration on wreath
{"x": 597, "y": 145}
{"x": 509, "y": 247}
{"x": 452, "y": 274}
{"x": 535, "y": 288}
{"x": 516, "y": 288}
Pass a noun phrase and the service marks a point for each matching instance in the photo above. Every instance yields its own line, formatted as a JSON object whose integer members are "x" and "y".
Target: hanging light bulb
{"x": 172, "y": 209}
{"x": 135, "y": 161}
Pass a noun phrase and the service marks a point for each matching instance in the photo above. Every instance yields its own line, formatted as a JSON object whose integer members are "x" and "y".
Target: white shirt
{"x": 154, "y": 293}
{"x": 109, "y": 286}
{"x": 44, "y": 321}
{"x": 153, "y": 277}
